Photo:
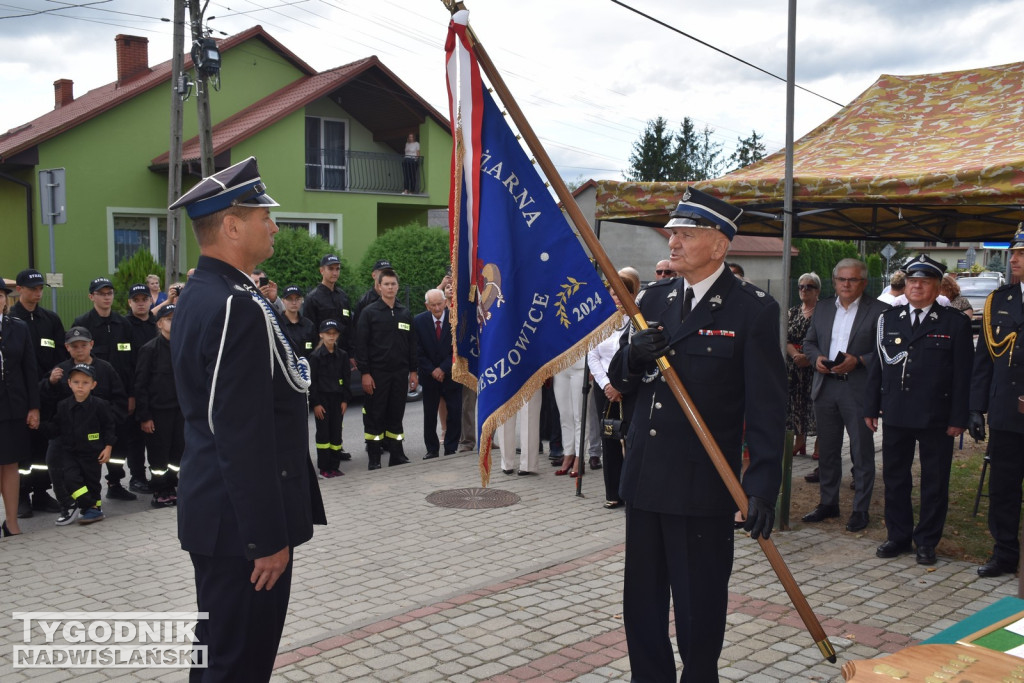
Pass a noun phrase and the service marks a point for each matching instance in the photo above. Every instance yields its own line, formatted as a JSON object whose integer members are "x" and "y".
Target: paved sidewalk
{"x": 397, "y": 589}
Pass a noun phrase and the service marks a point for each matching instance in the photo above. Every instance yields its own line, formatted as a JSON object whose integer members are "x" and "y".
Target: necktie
{"x": 437, "y": 328}
{"x": 687, "y": 302}
{"x": 917, "y": 319}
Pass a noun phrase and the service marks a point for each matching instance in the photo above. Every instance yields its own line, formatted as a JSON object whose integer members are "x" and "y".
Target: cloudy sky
{"x": 589, "y": 74}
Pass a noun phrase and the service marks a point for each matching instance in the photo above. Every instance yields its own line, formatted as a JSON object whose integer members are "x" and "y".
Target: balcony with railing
{"x": 351, "y": 171}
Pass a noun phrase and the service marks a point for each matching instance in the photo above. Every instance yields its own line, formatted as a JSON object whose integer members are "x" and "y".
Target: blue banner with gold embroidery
{"x": 528, "y": 301}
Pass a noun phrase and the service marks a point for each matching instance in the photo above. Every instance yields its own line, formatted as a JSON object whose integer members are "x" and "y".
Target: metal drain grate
{"x": 473, "y": 498}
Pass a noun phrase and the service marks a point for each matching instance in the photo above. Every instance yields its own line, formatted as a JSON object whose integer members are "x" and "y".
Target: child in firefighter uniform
{"x": 329, "y": 370}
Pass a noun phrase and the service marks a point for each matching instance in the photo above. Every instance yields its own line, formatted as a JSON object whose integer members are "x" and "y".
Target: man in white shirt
{"x": 840, "y": 344}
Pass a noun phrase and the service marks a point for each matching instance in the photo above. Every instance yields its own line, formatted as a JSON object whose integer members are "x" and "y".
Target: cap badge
{"x": 716, "y": 300}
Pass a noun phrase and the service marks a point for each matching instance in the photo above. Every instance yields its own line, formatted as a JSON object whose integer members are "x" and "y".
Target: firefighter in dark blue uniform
{"x": 919, "y": 384}
{"x": 721, "y": 335}
{"x": 386, "y": 355}
{"x": 996, "y": 386}
{"x": 47, "y": 333}
{"x": 246, "y": 491}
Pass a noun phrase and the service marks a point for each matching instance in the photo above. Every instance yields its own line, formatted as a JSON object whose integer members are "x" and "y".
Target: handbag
{"x": 611, "y": 428}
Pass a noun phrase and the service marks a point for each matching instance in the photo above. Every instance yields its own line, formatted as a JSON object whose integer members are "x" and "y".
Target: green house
{"x": 330, "y": 146}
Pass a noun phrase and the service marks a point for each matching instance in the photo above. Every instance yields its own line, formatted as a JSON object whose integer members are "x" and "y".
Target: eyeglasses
{"x": 804, "y": 288}
{"x": 849, "y": 280}
{"x": 665, "y": 272}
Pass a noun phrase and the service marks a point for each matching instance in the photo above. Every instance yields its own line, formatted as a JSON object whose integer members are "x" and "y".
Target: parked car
{"x": 977, "y": 289}
{"x": 994, "y": 274}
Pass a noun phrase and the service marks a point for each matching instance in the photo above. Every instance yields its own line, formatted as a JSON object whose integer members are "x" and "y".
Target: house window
{"x": 326, "y": 226}
{"x": 132, "y": 233}
{"x": 326, "y": 147}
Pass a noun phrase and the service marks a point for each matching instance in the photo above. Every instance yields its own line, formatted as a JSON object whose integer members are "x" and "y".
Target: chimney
{"x": 63, "y": 92}
{"x": 132, "y": 57}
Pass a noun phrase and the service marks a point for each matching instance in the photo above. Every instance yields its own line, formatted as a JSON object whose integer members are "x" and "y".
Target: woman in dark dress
{"x": 19, "y": 407}
{"x": 800, "y": 415}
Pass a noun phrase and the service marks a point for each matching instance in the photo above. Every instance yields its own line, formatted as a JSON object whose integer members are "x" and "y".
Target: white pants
{"x": 568, "y": 385}
{"x": 529, "y": 437}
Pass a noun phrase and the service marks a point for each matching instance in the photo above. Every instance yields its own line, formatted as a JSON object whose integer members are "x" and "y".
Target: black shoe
{"x": 595, "y": 463}
{"x": 430, "y": 455}
{"x": 891, "y": 549}
{"x": 508, "y": 471}
{"x": 139, "y": 486}
{"x": 857, "y": 521}
{"x": 397, "y": 460}
{"x": 24, "y": 506}
{"x": 524, "y": 473}
{"x": 343, "y": 456}
{"x": 118, "y": 492}
{"x": 449, "y": 452}
{"x": 995, "y": 567}
{"x": 925, "y": 554}
{"x": 813, "y": 477}
{"x": 373, "y": 465}
{"x": 821, "y": 512}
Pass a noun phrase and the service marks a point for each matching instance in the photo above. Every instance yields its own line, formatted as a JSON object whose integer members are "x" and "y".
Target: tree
{"x": 418, "y": 254}
{"x": 689, "y": 154}
{"x": 747, "y": 151}
{"x": 133, "y": 271}
{"x": 653, "y": 157}
{"x": 296, "y": 261}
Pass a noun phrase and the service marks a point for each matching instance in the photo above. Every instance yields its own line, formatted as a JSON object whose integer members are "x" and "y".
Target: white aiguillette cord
{"x": 296, "y": 368}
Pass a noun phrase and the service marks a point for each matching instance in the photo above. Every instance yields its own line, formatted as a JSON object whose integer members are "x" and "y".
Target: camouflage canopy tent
{"x": 936, "y": 157}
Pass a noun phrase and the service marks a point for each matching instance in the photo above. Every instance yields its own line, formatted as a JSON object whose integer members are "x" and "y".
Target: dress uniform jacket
{"x": 245, "y": 485}
{"x": 113, "y": 341}
{"x": 47, "y": 333}
{"x": 385, "y": 342}
{"x": 997, "y": 382}
{"x": 929, "y": 386}
{"x": 324, "y": 304}
{"x": 727, "y": 355}
{"x": 19, "y": 388}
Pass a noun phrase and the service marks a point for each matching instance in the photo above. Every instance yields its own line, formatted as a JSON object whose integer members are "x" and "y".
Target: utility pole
{"x": 202, "y": 91}
{"x": 173, "y": 247}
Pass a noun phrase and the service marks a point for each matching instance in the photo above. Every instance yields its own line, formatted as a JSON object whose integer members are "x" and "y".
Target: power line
{"x": 719, "y": 50}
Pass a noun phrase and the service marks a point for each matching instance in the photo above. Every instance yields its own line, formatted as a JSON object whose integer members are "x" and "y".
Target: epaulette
{"x": 662, "y": 283}
{"x": 754, "y": 291}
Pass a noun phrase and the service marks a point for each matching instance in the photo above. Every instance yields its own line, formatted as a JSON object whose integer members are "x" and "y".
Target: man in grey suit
{"x": 840, "y": 344}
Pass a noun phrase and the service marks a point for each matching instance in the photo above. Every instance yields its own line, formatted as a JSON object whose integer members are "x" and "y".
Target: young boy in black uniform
{"x": 54, "y": 388}
{"x": 329, "y": 370}
{"x": 158, "y": 412}
{"x": 113, "y": 342}
{"x": 298, "y": 328}
{"x": 85, "y": 430}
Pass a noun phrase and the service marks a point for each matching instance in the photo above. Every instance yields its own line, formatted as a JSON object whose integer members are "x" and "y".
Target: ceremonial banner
{"x": 528, "y": 302}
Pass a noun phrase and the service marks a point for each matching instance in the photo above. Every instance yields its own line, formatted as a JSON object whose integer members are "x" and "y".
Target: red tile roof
{"x": 277, "y": 105}
{"x": 106, "y": 97}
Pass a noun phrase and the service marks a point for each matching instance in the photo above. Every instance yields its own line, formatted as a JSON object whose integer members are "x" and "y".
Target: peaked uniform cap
{"x": 1018, "y": 238}
{"x": 164, "y": 312}
{"x": 329, "y": 260}
{"x": 237, "y": 185}
{"x": 697, "y": 207}
{"x": 382, "y": 264}
{"x": 292, "y": 289}
{"x": 329, "y": 324}
{"x": 138, "y": 290}
{"x": 924, "y": 266}
{"x": 77, "y": 333}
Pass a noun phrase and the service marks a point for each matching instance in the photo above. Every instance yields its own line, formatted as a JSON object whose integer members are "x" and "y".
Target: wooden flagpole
{"x": 682, "y": 396}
